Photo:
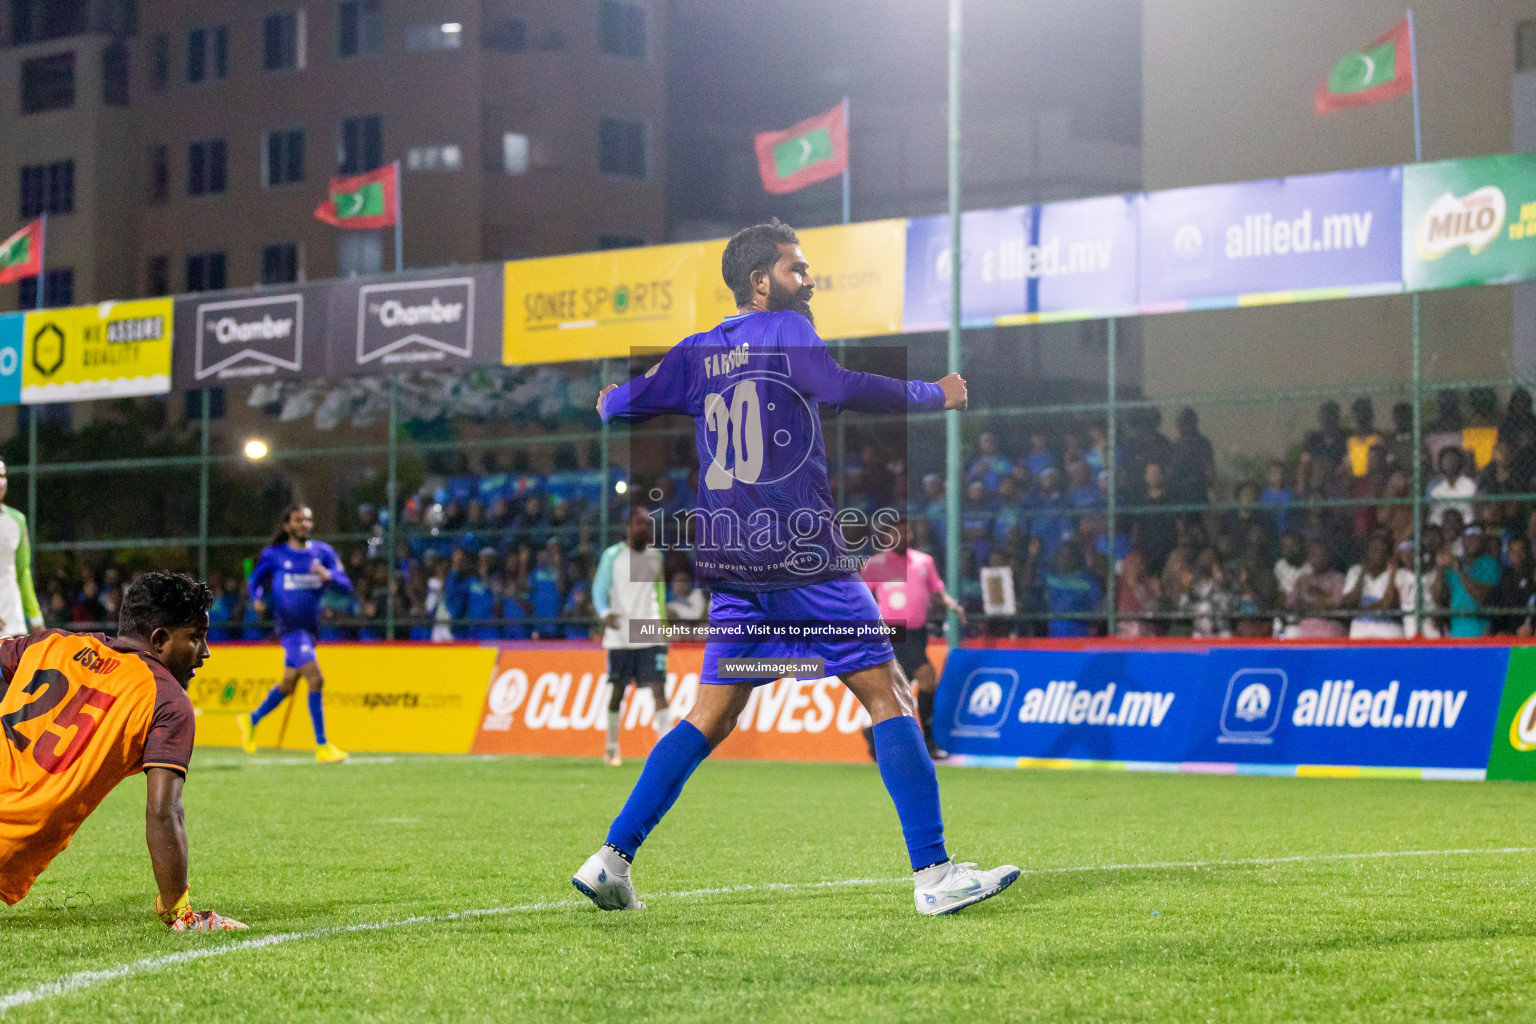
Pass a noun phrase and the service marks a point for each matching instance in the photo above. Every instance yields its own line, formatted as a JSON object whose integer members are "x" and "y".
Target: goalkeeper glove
{"x": 182, "y": 918}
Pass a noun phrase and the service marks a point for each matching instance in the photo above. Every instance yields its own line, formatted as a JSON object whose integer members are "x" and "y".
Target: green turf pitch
{"x": 292, "y": 847}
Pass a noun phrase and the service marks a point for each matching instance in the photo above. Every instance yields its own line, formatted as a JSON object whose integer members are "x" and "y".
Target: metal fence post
{"x": 392, "y": 498}
{"x": 952, "y": 565}
{"x": 604, "y": 508}
{"x": 32, "y": 460}
{"x": 1110, "y": 582}
{"x": 203, "y": 490}
{"x": 1418, "y": 469}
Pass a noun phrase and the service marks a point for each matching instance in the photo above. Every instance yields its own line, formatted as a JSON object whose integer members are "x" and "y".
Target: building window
{"x": 207, "y": 53}
{"x": 361, "y": 145}
{"x": 1525, "y": 46}
{"x": 621, "y": 147}
{"x": 360, "y": 28}
{"x": 159, "y": 173}
{"x": 205, "y": 168}
{"x": 157, "y": 276}
{"x": 446, "y": 36}
{"x": 48, "y": 188}
{"x": 282, "y": 41}
{"x": 434, "y": 158}
{"x": 48, "y": 83}
{"x": 606, "y": 241}
{"x": 114, "y": 75}
{"x": 59, "y": 289}
{"x": 283, "y": 158}
{"x": 205, "y": 272}
{"x": 160, "y": 61}
{"x": 360, "y": 252}
{"x": 504, "y": 35}
{"x": 514, "y": 153}
{"x": 621, "y": 29}
{"x": 280, "y": 263}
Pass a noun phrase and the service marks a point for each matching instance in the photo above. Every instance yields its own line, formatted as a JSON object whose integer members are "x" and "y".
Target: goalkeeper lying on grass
{"x": 81, "y": 713}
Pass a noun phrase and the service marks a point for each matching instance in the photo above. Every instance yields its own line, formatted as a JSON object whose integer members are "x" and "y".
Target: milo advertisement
{"x": 1469, "y": 222}
{"x": 1513, "y": 755}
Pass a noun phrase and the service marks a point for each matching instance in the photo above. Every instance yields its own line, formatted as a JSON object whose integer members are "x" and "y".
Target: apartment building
{"x": 182, "y": 146}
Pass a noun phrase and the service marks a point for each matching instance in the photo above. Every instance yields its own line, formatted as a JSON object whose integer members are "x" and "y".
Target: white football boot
{"x": 604, "y": 879}
{"x": 958, "y": 887}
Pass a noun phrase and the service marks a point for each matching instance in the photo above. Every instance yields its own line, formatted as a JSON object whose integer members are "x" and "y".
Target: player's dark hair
{"x": 753, "y": 249}
{"x": 280, "y": 535}
{"x": 168, "y": 599}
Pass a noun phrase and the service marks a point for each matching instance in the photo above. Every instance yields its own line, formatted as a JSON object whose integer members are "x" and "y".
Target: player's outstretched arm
{"x": 165, "y": 831}
{"x": 820, "y": 377}
{"x": 661, "y": 390}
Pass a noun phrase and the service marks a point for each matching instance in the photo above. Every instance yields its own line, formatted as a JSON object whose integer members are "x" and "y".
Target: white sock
{"x": 663, "y": 721}
{"x": 930, "y": 876}
{"x": 613, "y": 730}
{"x": 612, "y": 862}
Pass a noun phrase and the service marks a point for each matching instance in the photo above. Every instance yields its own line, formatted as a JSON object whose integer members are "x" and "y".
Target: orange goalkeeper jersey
{"x": 79, "y": 714}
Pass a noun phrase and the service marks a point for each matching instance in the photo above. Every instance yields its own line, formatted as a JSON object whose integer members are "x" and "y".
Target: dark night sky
{"x": 741, "y": 67}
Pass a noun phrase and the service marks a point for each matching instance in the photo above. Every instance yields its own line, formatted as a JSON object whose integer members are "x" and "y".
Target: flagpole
{"x": 847, "y": 161}
{"x": 1413, "y": 69}
{"x": 42, "y": 258}
{"x": 399, "y": 223}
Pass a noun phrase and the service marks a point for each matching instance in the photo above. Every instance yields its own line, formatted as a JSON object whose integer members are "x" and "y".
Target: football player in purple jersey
{"x": 767, "y": 543}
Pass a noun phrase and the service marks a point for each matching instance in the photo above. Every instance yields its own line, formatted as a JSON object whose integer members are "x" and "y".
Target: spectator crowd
{"x": 1322, "y": 546}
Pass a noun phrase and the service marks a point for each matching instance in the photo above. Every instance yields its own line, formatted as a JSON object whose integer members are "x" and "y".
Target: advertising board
{"x": 112, "y": 350}
{"x": 1283, "y": 240}
{"x": 1025, "y": 264}
{"x": 1424, "y": 711}
{"x": 270, "y": 335}
{"x": 390, "y": 697}
{"x": 1469, "y": 222}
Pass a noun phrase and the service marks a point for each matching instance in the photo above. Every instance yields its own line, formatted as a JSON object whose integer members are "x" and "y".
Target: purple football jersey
{"x": 753, "y": 386}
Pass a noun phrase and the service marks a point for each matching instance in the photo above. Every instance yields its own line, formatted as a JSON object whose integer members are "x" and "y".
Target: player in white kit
{"x": 19, "y": 611}
{"x": 629, "y": 586}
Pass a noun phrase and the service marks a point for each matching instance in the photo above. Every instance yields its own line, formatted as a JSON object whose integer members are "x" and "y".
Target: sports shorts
{"x": 298, "y": 648}
{"x": 846, "y": 600}
{"x": 912, "y": 653}
{"x": 645, "y": 665}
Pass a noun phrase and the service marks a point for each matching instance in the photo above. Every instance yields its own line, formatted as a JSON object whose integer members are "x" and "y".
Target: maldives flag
{"x": 21, "y": 255}
{"x": 1379, "y": 72}
{"x": 813, "y": 150}
{"x": 362, "y": 201}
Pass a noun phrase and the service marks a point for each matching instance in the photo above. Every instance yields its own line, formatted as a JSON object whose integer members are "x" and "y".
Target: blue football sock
{"x": 671, "y": 761}
{"x": 274, "y": 698}
{"x": 907, "y": 771}
{"x": 317, "y": 716}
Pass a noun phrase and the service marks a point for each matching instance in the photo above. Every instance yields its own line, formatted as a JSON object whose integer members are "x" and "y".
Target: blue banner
{"x": 1337, "y": 234}
{"x": 1069, "y": 260}
{"x": 12, "y": 331}
{"x": 1391, "y": 707}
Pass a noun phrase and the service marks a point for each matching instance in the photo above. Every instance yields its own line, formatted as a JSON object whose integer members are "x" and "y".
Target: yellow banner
{"x": 600, "y": 304}
{"x": 107, "y": 351}
{"x": 395, "y": 697}
{"x": 860, "y": 272}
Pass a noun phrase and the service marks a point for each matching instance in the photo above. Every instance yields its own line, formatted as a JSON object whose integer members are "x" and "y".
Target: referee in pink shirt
{"x": 904, "y": 583}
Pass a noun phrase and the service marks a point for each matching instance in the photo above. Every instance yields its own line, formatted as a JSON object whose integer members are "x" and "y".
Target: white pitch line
{"x": 81, "y": 980}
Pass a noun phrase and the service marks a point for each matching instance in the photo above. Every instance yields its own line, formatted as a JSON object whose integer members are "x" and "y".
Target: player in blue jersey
{"x": 290, "y": 575}
{"x": 766, "y": 543}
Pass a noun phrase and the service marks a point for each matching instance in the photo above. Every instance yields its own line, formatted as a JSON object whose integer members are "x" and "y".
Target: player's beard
{"x": 780, "y": 299}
